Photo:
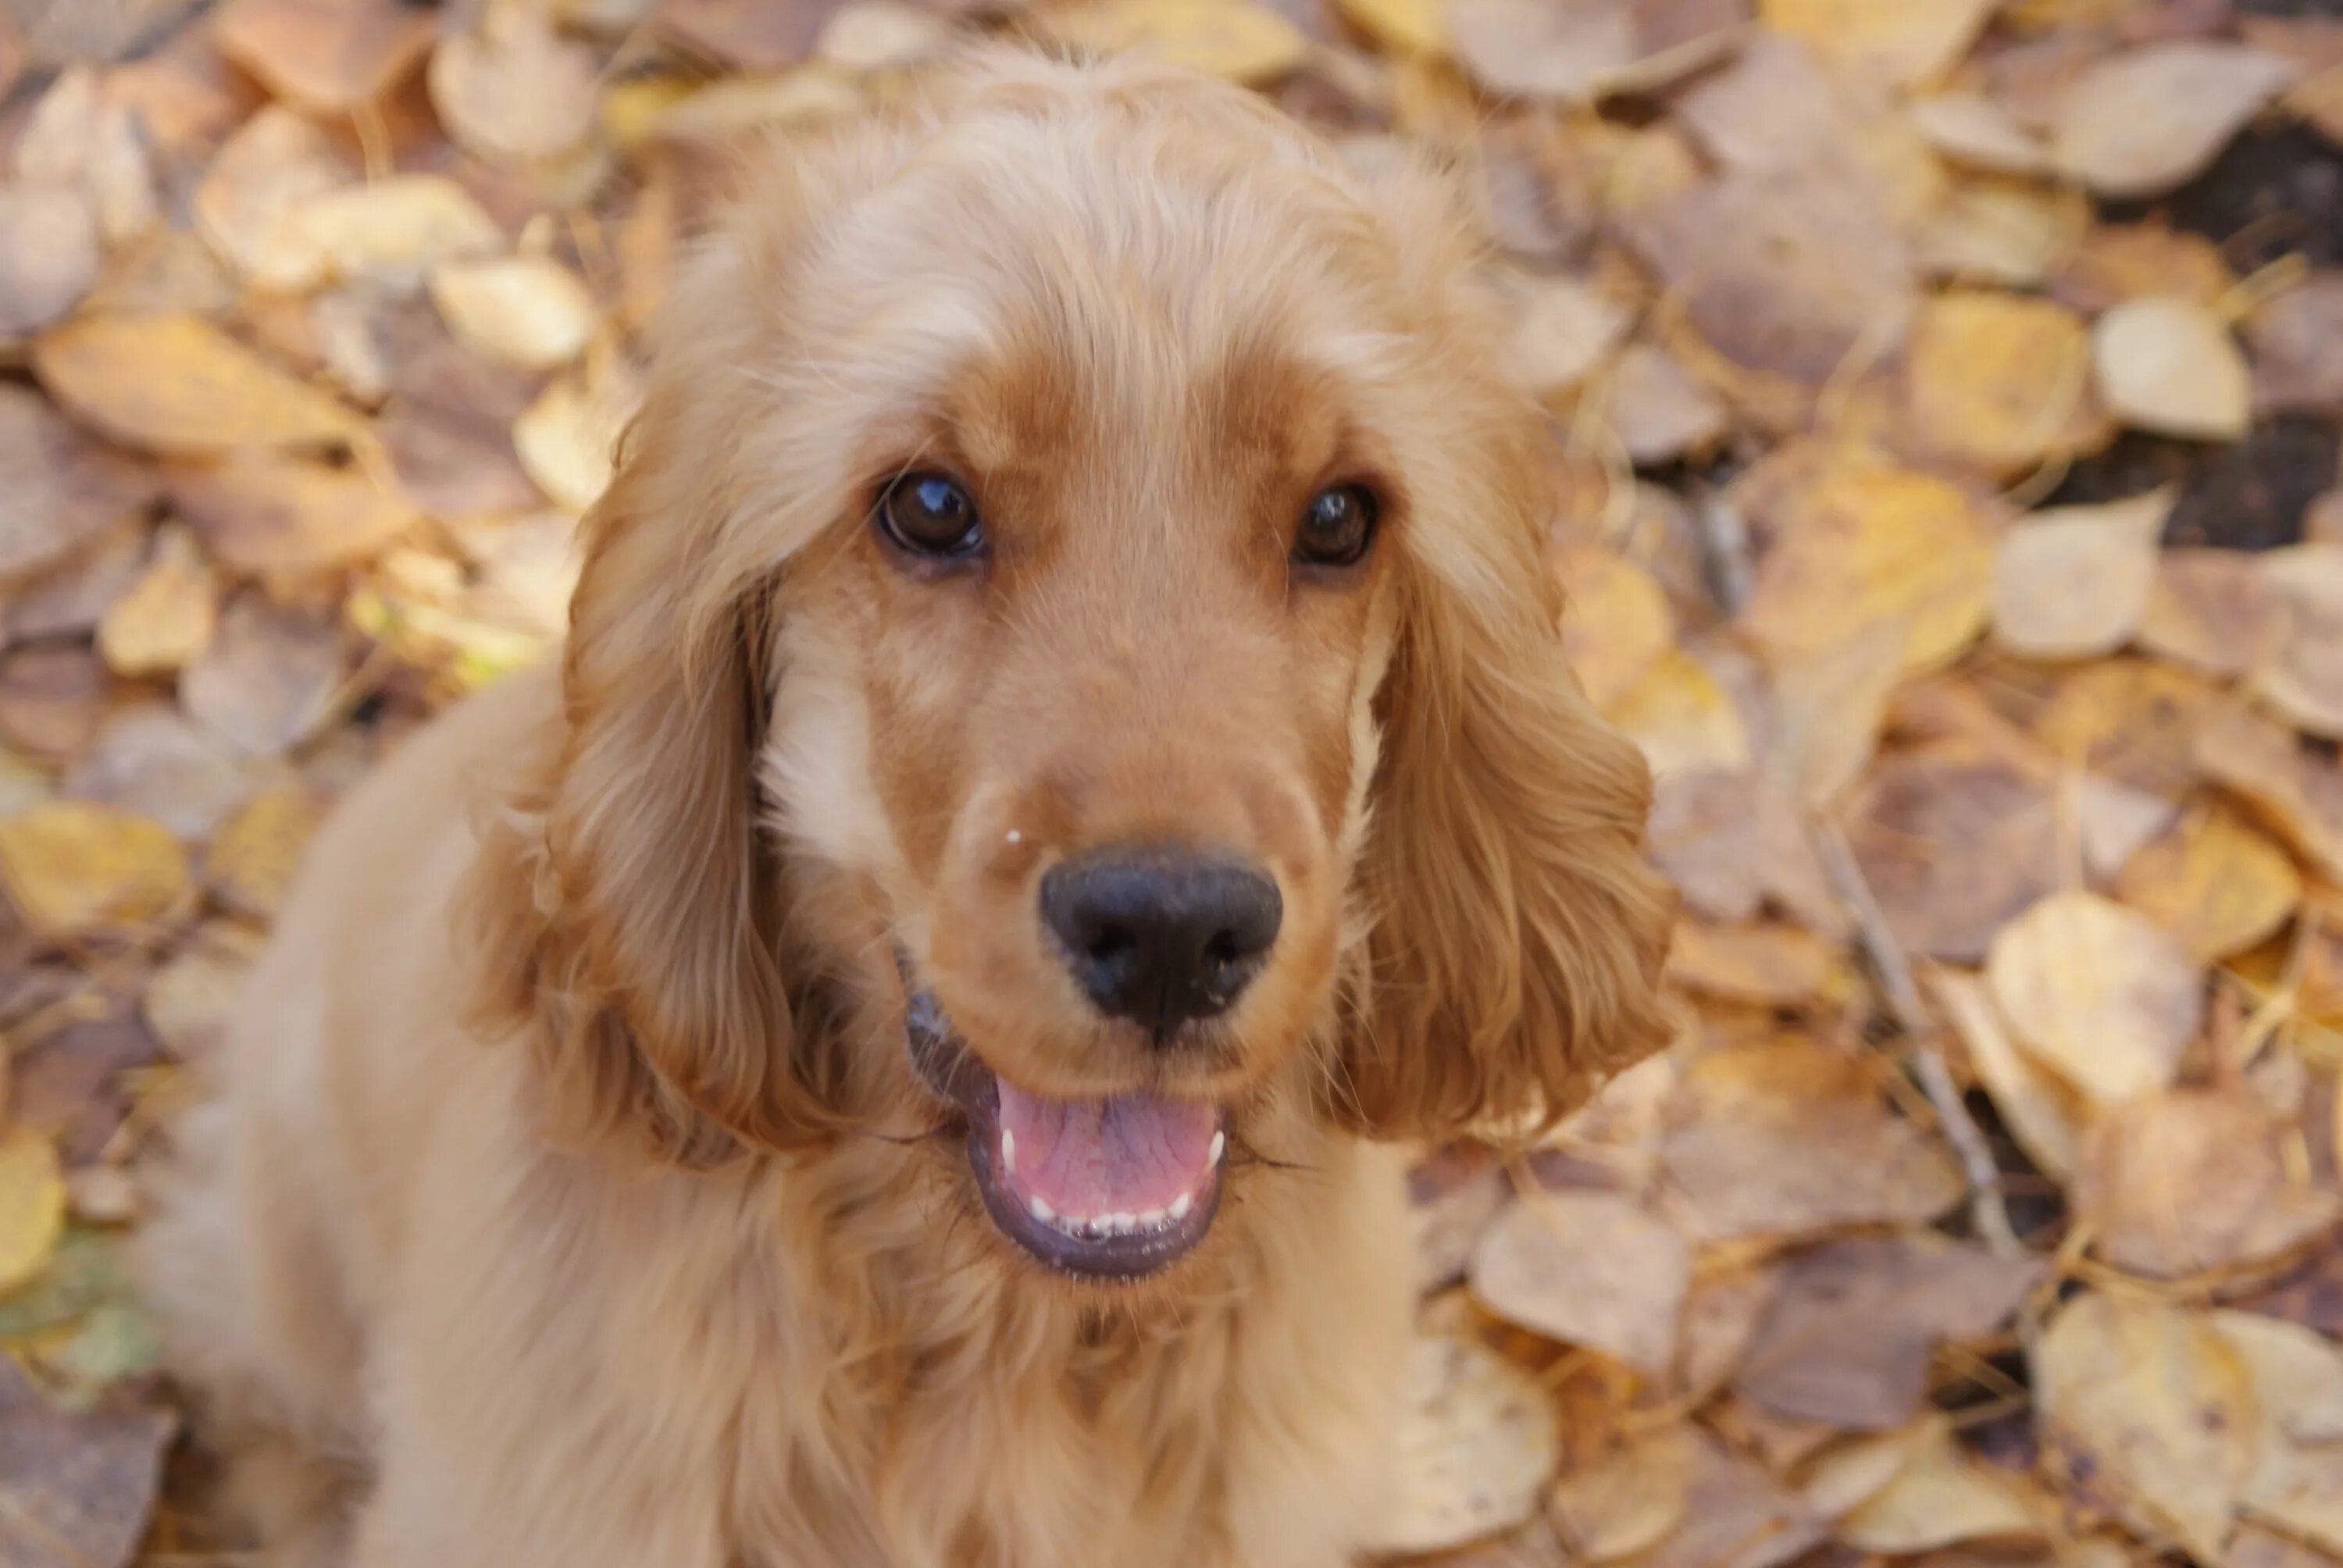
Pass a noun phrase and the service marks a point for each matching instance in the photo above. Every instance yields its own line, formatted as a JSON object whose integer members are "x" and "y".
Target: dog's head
{"x": 1076, "y": 595}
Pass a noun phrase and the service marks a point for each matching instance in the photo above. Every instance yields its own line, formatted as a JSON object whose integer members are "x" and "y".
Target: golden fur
{"x": 571, "y": 1200}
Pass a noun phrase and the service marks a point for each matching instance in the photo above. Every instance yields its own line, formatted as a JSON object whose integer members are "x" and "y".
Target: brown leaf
{"x": 2215, "y": 882}
{"x": 567, "y": 438}
{"x": 1768, "y": 965}
{"x": 1854, "y": 1325}
{"x": 1618, "y": 624}
{"x": 1574, "y": 50}
{"x": 2074, "y": 582}
{"x": 249, "y": 201}
{"x": 1995, "y": 382}
{"x": 1477, "y": 1445}
{"x": 1232, "y": 38}
{"x": 2299, "y": 794}
{"x": 1656, "y": 409}
{"x": 1953, "y": 847}
{"x": 192, "y": 998}
{"x": 2140, "y": 123}
{"x": 2300, "y": 672}
{"x": 1562, "y": 329}
{"x": 2118, "y": 262}
{"x": 2297, "y": 344}
{"x": 1631, "y": 1499}
{"x": 48, "y": 255}
{"x": 1940, "y": 1496}
{"x": 526, "y": 311}
{"x": 2210, "y": 609}
{"x": 1974, "y": 130}
{"x": 2169, "y": 366}
{"x": 1992, "y": 230}
{"x": 2148, "y": 1407}
{"x": 266, "y": 681}
{"x": 1790, "y": 1140}
{"x": 31, "y": 1205}
{"x": 176, "y": 384}
{"x": 1896, "y": 41}
{"x": 510, "y": 87}
{"x": 747, "y": 35}
{"x": 166, "y": 617}
{"x": 59, "y": 488}
{"x": 326, "y": 56}
{"x": 2194, "y": 1182}
{"x": 149, "y": 760}
{"x": 2098, "y": 993}
{"x": 1590, "y": 1268}
{"x": 391, "y": 233}
{"x": 263, "y": 513}
{"x": 75, "y": 869}
{"x": 50, "y": 698}
{"x": 1735, "y": 1516}
{"x": 2043, "y": 1114}
{"x": 78, "y": 1486}
{"x": 253, "y": 855}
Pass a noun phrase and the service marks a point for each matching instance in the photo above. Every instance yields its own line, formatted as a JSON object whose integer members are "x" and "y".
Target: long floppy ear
{"x": 1518, "y": 937}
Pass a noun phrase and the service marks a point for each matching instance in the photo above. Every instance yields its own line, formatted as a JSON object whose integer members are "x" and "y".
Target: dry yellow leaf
{"x": 248, "y": 203}
{"x": 2139, "y": 123}
{"x": 269, "y": 677}
{"x": 568, "y": 439}
{"x": 1976, "y": 131}
{"x": 192, "y": 997}
{"x": 1477, "y": 1445}
{"x": 2097, "y": 993}
{"x": 1828, "y": 707}
{"x": 59, "y": 489}
{"x": 1562, "y": 329}
{"x": 2300, "y": 672}
{"x": 1591, "y": 1269}
{"x": 2151, "y": 1406}
{"x": 1617, "y": 624}
{"x": 2301, "y": 795}
{"x": 1858, "y": 541}
{"x": 31, "y": 1205}
{"x": 2298, "y": 1378}
{"x": 77, "y": 870}
{"x": 526, "y": 310}
{"x": 2043, "y": 1114}
{"x": 1631, "y": 1498}
{"x": 1681, "y": 719}
{"x": 2215, "y": 882}
{"x": 2169, "y": 366}
{"x": 512, "y": 88}
{"x": 253, "y": 855}
{"x": 2074, "y": 582}
{"x": 1578, "y": 49}
{"x": 2194, "y": 1182}
{"x": 1232, "y": 38}
{"x": 1896, "y": 41}
{"x": 392, "y": 232}
{"x": 1939, "y": 1497}
{"x": 2210, "y": 609}
{"x": 265, "y": 513}
{"x": 875, "y": 34}
{"x": 328, "y": 56}
{"x": 49, "y": 255}
{"x": 1656, "y": 409}
{"x": 177, "y": 385}
{"x": 1995, "y": 381}
{"x": 167, "y": 616}
{"x": 1401, "y": 26}
{"x": 1769, "y": 965}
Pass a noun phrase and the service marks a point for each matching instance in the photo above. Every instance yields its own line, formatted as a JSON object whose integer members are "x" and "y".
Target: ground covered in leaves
{"x": 1945, "y": 393}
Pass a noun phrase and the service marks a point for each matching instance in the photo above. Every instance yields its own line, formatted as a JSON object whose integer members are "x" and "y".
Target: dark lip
{"x": 948, "y": 1068}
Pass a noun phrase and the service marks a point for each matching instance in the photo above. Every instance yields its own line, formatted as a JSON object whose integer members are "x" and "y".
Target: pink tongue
{"x": 1124, "y": 1155}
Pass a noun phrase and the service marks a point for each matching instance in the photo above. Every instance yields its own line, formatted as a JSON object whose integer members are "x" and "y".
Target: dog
{"x": 898, "y": 1049}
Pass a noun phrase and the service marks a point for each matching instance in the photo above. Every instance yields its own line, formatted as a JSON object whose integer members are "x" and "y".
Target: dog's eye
{"x": 929, "y": 515}
{"x": 1337, "y": 526}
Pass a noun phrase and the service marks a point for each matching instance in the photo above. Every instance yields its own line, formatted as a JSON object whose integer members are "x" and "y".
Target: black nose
{"x": 1161, "y": 936}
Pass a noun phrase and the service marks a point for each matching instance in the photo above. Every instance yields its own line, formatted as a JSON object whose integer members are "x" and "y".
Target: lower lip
{"x": 1122, "y": 1258}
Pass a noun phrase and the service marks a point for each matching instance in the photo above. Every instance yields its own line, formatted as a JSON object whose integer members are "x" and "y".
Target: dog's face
{"x": 1077, "y": 586}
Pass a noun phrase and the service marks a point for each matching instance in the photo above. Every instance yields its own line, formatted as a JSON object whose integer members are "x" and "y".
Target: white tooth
{"x": 1220, "y": 1146}
{"x": 1149, "y": 1219}
{"x": 1180, "y": 1205}
{"x": 1042, "y": 1210}
{"x": 1122, "y": 1224}
{"x": 1008, "y": 1150}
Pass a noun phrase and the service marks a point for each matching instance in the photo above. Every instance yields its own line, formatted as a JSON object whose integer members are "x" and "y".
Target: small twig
{"x": 1902, "y": 993}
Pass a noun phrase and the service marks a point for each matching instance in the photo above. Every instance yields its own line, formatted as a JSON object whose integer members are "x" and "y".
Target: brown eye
{"x": 1337, "y": 526}
{"x": 929, "y": 515}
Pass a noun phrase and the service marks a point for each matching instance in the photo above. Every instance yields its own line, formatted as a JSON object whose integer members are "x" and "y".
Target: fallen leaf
{"x": 253, "y": 855}
{"x": 2130, "y": 721}
{"x": 1631, "y": 1498}
{"x": 265, "y": 514}
{"x": 392, "y": 232}
{"x": 58, "y": 489}
{"x": 2074, "y": 582}
{"x": 1898, "y": 41}
{"x": 1986, "y": 229}
{"x": 50, "y": 697}
{"x": 176, "y": 384}
{"x": 1402, "y": 27}
{"x": 568, "y": 437}
{"x": 2211, "y": 609}
{"x": 876, "y": 35}
{"x": 267, "y": 680}
{"x": 2194, "y": 1182}
{"x": 48, "y": 255}
{"x": 1972, "y": 129}
{"x": 77, "y": 1485}
{"x": 1858, "y": 541}
{"x": 1940, "y": 1497}
{"x": 512, "y": 88}
{"x": 2300, "y": 795}
{"x": 1996, "y": 382}
{"x": 328, "y": 56}
{"x": 1683, "y": 720}
{"x": 2215, "y": 882}
{"x": 1952, "y": 846}
{"x": 2113, "y": 263}
{"x": 1454, "y": 1194}
{"x": 2097, "y": 993}
{"x": 1232, "y": 38}
{"x": 247, "y": 205}
{"x": 1477, "y": 1446}
{"x": 1574, "y": 50}
{"x": 1735, "y": 1516}
{"x": 1618, "y": 624}
{"x": 1851, "y": 1329}
{"x": 167, "y": 616}
{"x": 750, "y": 34}
{"x": 1590, "y": 1268}
{"x": 526, "y": 311}
{"x": 31, "y": 1205}
{"x": 2139, "y": 123}
{"x": 194, "y": 995}
{"x": 1768, "y": 965}
{"x": 2148, "y": 1407}
{"x": 2297, "y": 1374}
{"x": 2300, "y": 672}
{"x": 1790, "y": 1140}
{"x": 1656, "y": 409}
{"x": 2297, "y": 344}
{"x": 75, "y": 869}
{"x": 2045, "y": 1116}
{"x": 2170, "y": 367}
{"x": 1562, "y": 329}
{"x": 147, "y": 759}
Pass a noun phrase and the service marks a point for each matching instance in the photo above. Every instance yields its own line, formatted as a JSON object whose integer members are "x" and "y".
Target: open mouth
{"x": 1112, "y": 1189}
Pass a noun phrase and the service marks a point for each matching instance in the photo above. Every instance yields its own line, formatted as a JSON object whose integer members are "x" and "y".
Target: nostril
{"x": 1161, "y": 936}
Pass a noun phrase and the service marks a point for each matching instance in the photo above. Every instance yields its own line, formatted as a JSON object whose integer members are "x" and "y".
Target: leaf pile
{"x": 1913, "y": 364}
